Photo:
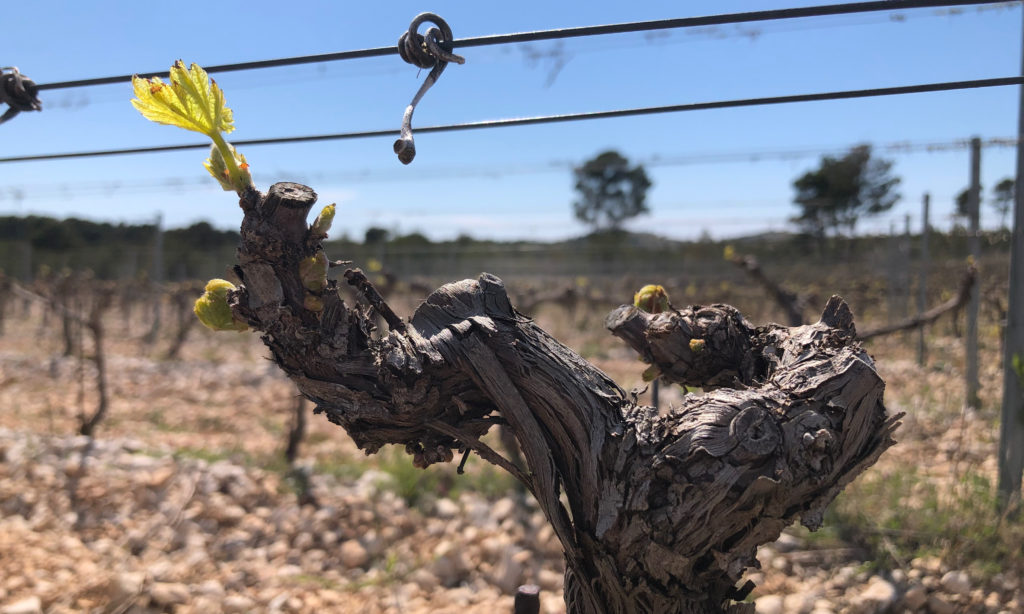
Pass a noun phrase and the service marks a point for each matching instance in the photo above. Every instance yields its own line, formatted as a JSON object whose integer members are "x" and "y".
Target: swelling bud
{"x": 313, "y": 272}
{"x": 322, "y": 223}
{"x": 652, "y": 299}
{"x": 212, "y": 307}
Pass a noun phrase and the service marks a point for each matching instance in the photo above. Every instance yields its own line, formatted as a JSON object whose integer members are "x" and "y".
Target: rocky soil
{"x": 181, "y": 503}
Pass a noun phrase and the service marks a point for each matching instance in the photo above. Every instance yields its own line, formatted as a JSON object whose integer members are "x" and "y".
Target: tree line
{"x": 831, "y": 199}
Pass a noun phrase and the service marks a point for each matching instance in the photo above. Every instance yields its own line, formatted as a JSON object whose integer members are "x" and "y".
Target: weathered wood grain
{"x": 656, "y": 512}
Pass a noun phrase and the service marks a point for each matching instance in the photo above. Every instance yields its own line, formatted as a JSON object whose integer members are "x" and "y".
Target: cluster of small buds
{"x": 423, "y": 457}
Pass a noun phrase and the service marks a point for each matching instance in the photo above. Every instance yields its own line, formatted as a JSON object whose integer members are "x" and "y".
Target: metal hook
{"x": 18, "y": 92}
{"x": 433, "y": 49}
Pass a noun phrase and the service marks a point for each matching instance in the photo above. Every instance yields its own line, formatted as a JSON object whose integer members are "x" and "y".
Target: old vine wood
{"x": 656, "y": 513}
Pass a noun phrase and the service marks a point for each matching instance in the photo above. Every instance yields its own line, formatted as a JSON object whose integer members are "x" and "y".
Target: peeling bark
{"x": 656, "y": 513}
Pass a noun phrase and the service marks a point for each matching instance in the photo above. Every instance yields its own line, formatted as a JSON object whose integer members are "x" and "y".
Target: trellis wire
{"x": 562, "y": 33}
{"x": 549, "y": 119}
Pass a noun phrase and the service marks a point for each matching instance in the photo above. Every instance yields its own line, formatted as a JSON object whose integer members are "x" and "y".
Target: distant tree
{"x": 962, "y": 210}
{"x": 1003, "y": 196}
{"x": 610, "y": 191}
{"x": 375, "y": 234}
{"x": 413, "y": 239}
{"x": 840, "y": 191}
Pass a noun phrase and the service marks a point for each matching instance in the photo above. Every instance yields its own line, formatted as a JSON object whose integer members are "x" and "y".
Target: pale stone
{"x": 938, "y": 605}
{"x": 508, "y": 573}
{"x": 992, "y": 600}
{"x": 956, "y": 582}
{"x": 502, "y": 509}
{"x": 202, "y": 605}
{"x": 28, "y": 605}
{"x": 169, "y": 593}
{"x": 549, "y": 580}
{"x": 915, "y": 597}
{"x": 876, "y": 597}
{"x": 787, "y": 543}
{"x": 211, "y": 588}
{"x": 449, "y": 564}
{"x": 303, "y": 541}
{"x": 353, "y": 554}
{"x": 426, "y": 580}
{"x": 125, "y": 585}
{"x": 798, "y": 603}
{"x": 770, "y": 604}
{"x": 237, "y": 604}
{"x": 446, "y": 508}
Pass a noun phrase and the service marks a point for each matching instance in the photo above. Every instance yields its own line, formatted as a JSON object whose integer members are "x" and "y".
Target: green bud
{"x": 652, "y": 299}
{"x": 697, "y": 345}
{"x": 313, "y": 272}
{"x": 322, "y": 223}
{"x": 651, "y": 373}
{"x": 219, "y": 169}
{"x": 213, "y": 310}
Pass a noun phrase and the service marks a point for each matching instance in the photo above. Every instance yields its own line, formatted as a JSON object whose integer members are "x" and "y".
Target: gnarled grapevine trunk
{"x": 661, "y": 513}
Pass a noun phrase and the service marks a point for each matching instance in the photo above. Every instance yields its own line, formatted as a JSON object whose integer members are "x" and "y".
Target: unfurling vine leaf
{"x": 194, "y": 102}
{"x": 191, "y": 101}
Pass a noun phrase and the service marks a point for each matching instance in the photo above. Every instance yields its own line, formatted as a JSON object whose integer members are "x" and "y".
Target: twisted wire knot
{"x": 426, "y": 50}
{"x": 18, "y": 92}
{"x": 432, "y": 49}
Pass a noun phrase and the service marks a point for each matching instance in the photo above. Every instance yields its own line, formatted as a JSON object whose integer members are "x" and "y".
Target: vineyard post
{"x": 157, "y": 277}
{"x": 974, "y": 246}
{"x": 905, "y": 269}
{"x": 892, "y": 275}
{"x": 25, "y": 274}
{"x": 1011, "y": 433}
{"x": 922, "y": 285}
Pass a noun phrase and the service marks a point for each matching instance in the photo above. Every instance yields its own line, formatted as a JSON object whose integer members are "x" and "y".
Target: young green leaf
{"x": 192, "y": 101}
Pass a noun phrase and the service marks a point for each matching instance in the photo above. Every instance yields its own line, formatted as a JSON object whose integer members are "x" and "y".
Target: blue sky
{"x": 507, "y": 182}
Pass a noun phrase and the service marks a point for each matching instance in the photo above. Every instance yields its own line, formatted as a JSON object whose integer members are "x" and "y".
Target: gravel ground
{"x": 150, "y": 517}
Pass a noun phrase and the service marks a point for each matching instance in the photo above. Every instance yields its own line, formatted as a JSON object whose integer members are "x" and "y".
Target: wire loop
{"x": 433, "y": 49}
{"x": 18, "y": 92}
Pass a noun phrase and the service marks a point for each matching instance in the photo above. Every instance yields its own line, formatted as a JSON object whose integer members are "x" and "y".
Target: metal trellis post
{"x": 974, "y": 243}
{"x": 1011, "y": 432}
{"x": 922, "y": 284}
